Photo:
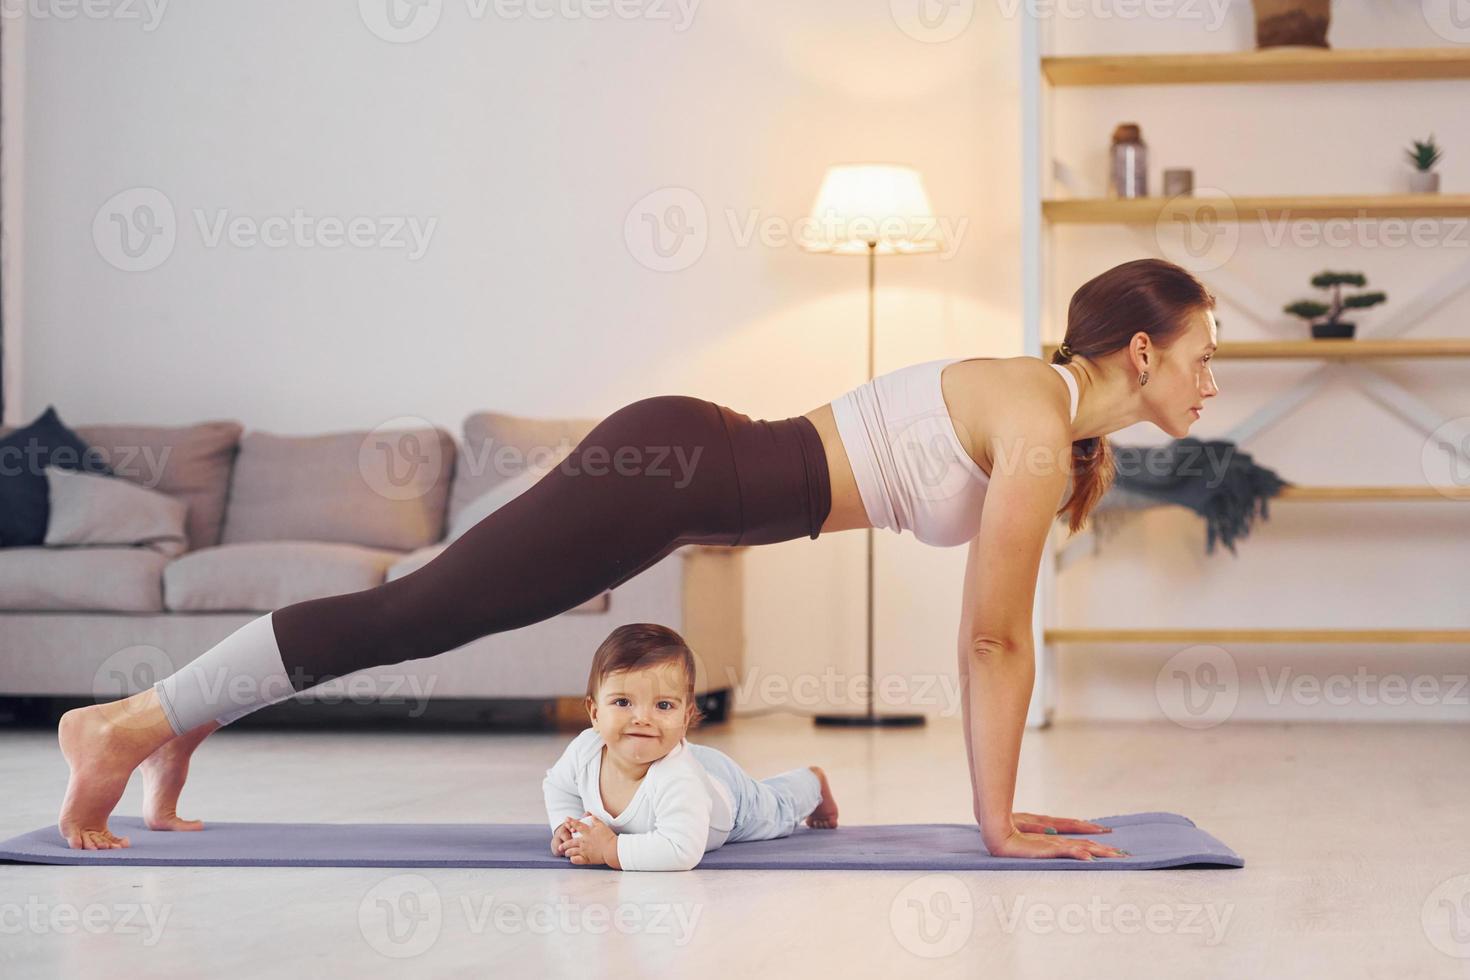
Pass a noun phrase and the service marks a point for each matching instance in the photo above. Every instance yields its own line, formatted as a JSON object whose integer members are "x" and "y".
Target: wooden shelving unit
{"x": 1276, "y": 65}
{"x": 1257, "y": 636}
{"x": 1151, "y": 210}
{"x": 1409, "y": 494}
{"x": 1039, "y": 213}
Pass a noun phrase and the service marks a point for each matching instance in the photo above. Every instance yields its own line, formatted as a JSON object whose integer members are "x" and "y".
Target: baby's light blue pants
{"x": 767, "y": 808}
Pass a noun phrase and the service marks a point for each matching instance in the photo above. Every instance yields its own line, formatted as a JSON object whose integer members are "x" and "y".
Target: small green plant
{"x": 1424, "y": 154}
{"x": 1310, "y": 310}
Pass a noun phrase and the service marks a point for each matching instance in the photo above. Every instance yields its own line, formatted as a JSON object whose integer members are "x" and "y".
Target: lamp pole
{"x": 872, "y": 342}
{"x": 870, "y": 717}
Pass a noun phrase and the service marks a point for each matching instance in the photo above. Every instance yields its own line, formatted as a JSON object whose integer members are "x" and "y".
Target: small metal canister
{"x": 1178, "y": 180}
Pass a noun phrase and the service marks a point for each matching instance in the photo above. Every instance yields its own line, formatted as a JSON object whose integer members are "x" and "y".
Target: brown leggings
{"x": 656, "y": 474}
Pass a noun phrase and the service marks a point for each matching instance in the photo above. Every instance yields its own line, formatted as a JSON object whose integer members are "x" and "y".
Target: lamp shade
{"x": 865, "y": 204}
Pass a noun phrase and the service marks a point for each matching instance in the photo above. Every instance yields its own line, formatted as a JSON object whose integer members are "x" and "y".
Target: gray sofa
{"x": 273, "y": 520}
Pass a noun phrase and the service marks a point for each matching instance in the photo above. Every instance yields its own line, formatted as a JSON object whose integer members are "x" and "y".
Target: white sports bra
{"x": 912, "y": 472}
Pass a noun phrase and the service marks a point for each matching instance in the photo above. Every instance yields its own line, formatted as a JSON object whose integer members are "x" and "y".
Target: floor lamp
{"x": 872, "y": 210}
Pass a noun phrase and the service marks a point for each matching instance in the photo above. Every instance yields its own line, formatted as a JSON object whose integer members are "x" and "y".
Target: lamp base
{"x": 866, "y": 720}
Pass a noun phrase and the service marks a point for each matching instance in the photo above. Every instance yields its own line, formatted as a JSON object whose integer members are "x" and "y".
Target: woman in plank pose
{"x": 955, "y": 451}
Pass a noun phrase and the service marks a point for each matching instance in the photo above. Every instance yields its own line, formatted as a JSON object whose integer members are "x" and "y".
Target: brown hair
{"x": 640, "y": 646}
{"x": 1148, "y": 295}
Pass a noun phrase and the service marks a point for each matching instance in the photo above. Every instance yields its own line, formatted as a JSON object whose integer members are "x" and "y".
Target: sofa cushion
{"x": 499, "y": 447}
{"x": 87, "y": 508}
{"x": 497, "y": 497}
{"x": 24, "y": 494}
{"x": 84, "y": 578}
{"x": 189, "y": 462}
{"x": 415, "y": 560}
{"x": 383, "y": 488}
{"x": 266, "y": 575}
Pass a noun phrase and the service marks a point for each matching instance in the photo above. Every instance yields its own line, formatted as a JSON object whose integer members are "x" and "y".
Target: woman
{"x": 928, "y": 448}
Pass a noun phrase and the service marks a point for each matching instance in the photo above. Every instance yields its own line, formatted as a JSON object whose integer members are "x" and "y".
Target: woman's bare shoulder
{"x": 987, "y": 396}
{"x": 993, "y": 383}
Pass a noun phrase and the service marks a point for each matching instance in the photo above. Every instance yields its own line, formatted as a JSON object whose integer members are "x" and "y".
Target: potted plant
{"x": 1424, "y": 155}
{"x": 1292, "y": 22}
{"x": 1332, "y": 327}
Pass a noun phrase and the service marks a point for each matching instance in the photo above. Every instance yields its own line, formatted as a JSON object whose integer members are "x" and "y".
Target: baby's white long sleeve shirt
{"x": 678, "y": 812}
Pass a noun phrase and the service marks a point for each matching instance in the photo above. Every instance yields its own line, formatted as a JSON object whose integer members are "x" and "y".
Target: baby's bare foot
{"x": 164, "y": 773}
{"x": 102, "y": 745}
{"x": 824, "y": 817}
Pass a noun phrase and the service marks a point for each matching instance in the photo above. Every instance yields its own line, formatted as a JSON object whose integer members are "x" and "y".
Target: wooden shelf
{"x": 1331, "y": 350}
{"x": 1413, "y": 493}
{"x": 1296, "y": 64}
{"x": 1408, "y": 494}
{"x": 1257, "y": 636}
{"x": 1151, "y": 210}
{"x": 1343, "y": 350}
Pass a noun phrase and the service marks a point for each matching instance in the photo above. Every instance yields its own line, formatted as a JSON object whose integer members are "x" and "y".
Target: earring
{"x": 1143, "y": 379}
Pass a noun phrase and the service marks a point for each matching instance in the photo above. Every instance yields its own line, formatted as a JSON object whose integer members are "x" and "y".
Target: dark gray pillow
{"x": 25, "y": 506}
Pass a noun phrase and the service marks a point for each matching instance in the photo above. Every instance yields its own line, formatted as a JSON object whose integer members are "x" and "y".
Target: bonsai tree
{"x": 1424, "y": 154}
{"x": 1311, "y": 310}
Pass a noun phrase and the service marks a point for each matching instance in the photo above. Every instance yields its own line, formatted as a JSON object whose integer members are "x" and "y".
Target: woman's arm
{"x": 997, "y": 671}
{"x": 1029, "y": 822}
{"x": 995, "y": 688}
{"x": 1032, "y": 461}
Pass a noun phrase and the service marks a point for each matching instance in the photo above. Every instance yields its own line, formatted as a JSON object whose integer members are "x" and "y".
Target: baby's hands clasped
{"x": 595, "y": 842}
{"x": 560, "y": 837}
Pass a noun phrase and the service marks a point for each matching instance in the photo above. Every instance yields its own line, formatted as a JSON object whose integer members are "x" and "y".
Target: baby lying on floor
{"x": 630, "y": 792}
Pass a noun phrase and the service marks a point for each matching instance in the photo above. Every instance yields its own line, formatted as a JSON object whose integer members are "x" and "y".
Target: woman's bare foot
{"x": 103, "y": 744}
{"x": 164, "y": 773}
{"x": 824, "y": 817}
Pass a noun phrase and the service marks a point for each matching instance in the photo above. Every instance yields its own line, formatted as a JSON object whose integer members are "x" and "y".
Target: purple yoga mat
{"x": 1156, "y": 840}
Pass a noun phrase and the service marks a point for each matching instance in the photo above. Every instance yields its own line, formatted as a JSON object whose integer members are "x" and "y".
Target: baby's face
{"x": 642, "y": 714}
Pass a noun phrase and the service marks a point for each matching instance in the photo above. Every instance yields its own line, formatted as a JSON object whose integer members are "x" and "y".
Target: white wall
{"x": 528, "y": 142}
{"x": 12, "y": 173}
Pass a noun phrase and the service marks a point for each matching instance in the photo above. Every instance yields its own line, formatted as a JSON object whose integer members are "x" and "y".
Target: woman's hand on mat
{"x": 1024, "y": 845}
{"x": 596, "y": 843}
{"x": 560, "y": 837}
{"x": 1040, "y": 823}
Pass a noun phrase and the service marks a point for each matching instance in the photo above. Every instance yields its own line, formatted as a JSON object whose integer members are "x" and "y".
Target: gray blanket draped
{"x": 1214, "y": 478}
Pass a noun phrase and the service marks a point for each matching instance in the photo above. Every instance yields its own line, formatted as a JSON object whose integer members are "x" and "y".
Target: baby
{"x": 632, "y": 794}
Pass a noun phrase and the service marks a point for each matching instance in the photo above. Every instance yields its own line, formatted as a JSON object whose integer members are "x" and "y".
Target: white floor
{"x": 1356, "y": 839}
